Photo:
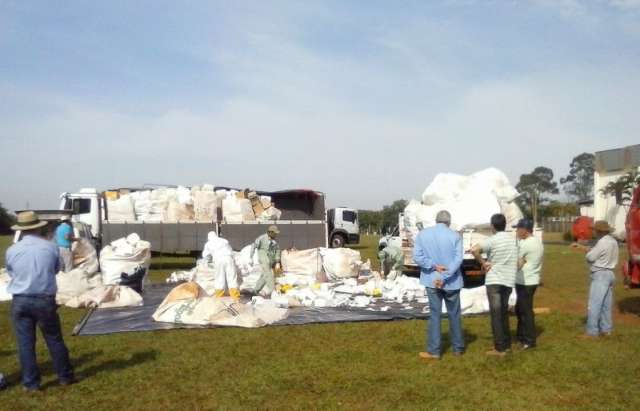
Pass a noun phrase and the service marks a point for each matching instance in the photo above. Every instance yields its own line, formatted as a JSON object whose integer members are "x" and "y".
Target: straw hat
{"x": 602, "y": 226}
{"x": 28, "y": 220}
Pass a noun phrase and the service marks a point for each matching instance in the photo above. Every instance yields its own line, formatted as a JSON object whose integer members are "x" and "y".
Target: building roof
{"x": 619, "y": 159}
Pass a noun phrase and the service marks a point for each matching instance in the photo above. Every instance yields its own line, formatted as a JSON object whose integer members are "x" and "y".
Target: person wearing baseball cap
{"x": 602, "y": 259}
{"x": 269, "y": 256}
{"x": 530, "y": 256}
{"x": 32, "y": 264}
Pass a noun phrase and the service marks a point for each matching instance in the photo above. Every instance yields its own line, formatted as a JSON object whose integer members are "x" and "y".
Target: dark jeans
{"x": 26, "y": 312}
{"x": 524, "y": 311}
{"x": 499, "y": 308}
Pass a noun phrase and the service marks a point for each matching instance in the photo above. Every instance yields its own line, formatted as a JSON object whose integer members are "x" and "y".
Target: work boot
{"x": 234, "y": 293}
{"x": 218, "y": 293}
{"x": 428, "y": 356}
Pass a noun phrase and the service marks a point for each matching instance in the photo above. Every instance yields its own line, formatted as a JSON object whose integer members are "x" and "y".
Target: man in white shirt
{"x": 602, "y": 259}
{"x": 530, "y": 254}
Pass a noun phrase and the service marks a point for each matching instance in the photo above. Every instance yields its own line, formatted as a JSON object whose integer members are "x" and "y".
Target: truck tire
{"x": 338, "y": 241}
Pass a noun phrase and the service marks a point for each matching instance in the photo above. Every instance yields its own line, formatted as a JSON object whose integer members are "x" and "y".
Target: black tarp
{"x": 117, "y": 320}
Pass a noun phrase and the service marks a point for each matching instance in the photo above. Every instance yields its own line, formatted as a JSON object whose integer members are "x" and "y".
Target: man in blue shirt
{"x": 64, "y": 238}
{"x": 438, "y": 253}
{"x": 32, "y": 264}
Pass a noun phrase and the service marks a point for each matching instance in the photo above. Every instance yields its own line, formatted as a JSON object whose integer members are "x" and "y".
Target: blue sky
{"x": 364, "y": 100}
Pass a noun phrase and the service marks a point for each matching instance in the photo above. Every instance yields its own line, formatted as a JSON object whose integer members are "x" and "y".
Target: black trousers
{"x": 526, "y": 318}
{"x": 499, "y": 308}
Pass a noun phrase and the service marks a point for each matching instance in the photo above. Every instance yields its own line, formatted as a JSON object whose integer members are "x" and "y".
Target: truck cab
{"x": 86, "y": 208}
{"x": 344, "y": 227}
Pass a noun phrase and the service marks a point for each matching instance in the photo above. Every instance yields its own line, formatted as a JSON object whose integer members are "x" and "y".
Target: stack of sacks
{"x": 124, "y": 256}
{"x": 121, "y": 209}
{"x": 306, "y": 262}
{"x": 237, "y": 210}
{"x": 471, "y": 200}
{"x": 180, "y": 205}
{"x": 151, "y": 206}
{"x": 189, "y": 304}
{"x": 205, "y": 204}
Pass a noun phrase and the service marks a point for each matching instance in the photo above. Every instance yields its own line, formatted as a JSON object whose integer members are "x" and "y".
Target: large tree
{"x": 535, "y": 189}
{"x": 579, "y": 182}
{"x": 390, "y": 214}
{"x": 6, "y": 220}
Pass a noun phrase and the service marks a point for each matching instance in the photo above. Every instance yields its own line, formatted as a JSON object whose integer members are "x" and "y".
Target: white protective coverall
{"x": 218, "y": 252}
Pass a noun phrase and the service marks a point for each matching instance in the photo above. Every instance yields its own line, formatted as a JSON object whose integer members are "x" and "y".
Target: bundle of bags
{"x": 471, "y": 200}
{"x": 182, "y": 204}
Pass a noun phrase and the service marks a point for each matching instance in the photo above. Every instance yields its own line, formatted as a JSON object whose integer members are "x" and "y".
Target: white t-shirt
{"x": 532, "y": 251}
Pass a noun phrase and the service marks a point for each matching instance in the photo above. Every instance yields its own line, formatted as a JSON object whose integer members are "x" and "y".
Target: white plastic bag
{"x": 339, "y": 263}
{"x": 124, "y": 255}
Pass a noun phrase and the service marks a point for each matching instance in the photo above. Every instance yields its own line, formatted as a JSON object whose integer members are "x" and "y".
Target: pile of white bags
{"x": 249, "y": 269}
{"x": 189, "y": 304}
{"x": 237, "y": 210}
{"x": 471, "y": 200}
{"x": 124, "y": 255}
{"x": 205, "y": 204}
{"x": 75, "y": 283}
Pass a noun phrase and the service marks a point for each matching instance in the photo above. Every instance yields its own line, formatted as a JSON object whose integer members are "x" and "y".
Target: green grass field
{"x": 355, "y": 366}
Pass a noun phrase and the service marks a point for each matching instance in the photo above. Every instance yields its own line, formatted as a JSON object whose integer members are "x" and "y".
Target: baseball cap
{"x": 524, "y": 223}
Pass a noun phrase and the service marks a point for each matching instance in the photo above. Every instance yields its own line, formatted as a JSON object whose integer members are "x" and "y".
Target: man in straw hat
{"x": 602, "y": 259}
{"x": 269, "y": 256}
{"x": 32, "y": 264}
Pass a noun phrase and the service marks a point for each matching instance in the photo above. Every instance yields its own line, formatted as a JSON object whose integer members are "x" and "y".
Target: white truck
{"x": 304, "y": 223}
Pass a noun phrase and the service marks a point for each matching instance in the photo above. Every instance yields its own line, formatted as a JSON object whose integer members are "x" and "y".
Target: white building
{"x": 611, "y": 165}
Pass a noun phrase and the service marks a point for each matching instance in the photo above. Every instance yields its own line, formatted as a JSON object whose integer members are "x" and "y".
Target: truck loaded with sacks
{"x": 177, "y": 219}
{"x": 471, "y": 200}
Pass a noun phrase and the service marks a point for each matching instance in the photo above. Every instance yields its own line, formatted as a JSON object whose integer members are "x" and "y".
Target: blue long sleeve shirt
{"x": 439, "y": 245}
{"x": 32, "y": 264}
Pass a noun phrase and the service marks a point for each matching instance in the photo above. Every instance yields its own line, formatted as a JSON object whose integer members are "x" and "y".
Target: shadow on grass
{"x": 8, "y": 353}
{"x": 177, "y": 265}
{"x": 630, "y": 305}
{"x": 132, "y": 360}
{"x": 46, "y": 368}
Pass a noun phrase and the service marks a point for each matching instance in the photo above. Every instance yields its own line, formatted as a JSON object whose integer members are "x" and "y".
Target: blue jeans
{"x": 452, "y": 301}
{"x": 26, "y": 312}
{"x": 600, "y": 303}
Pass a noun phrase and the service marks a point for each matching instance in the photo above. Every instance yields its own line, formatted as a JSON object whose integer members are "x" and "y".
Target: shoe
{"x": 70, "y": 381}
{"x": 607, "y": 334}
{"x": 458, "y": 353}
{"x": 525, "y": 347}
{"x": 427, "y": 356}
{"x": 3, "y": 383}
{"x": 31, "y": 390}
{"x": 588, "y": 337}
{"x": 496, "y": 353}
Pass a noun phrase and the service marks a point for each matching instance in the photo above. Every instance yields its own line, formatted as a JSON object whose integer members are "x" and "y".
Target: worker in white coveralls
{"x": 391, "y": 260}
{"x": 218, "y": 252}
{"x": 269, "y": 257}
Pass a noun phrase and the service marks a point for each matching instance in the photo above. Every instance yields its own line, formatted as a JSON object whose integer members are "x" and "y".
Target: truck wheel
{"x": 338, "y": 241}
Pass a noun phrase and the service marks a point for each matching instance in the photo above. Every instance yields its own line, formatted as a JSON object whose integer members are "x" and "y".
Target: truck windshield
{"x": 349, "y": 216}
{"x": 78, "y": 205}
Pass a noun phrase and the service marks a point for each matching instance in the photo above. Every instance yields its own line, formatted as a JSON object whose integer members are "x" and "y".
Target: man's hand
{"x": 487, "y": 266}
{"x": 438, "y": 283}
{"x": 441, "y": 268}
{"x": 580, "y": 247}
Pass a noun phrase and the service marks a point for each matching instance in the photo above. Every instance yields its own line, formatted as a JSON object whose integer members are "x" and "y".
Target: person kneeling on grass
{"x": 602, "y": 259}
{"x": 438, "y": 253}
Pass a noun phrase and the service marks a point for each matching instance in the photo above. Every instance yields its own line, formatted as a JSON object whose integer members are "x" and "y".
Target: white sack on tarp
{"x": 121, "y": 209}
{"x": 340, "y": 263}
{"x": 205, "y": 204}
{"x": 75, "y": 283}
{"x": 249, "y": 269}
{"x": 85, "y": 256}
{"x": 107, "y": 296}
{"x": 188, "y": 304}
{"x": 4, "y": 283}
{"x": 308, "y": 262}
{"x": 124, "y": 255}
